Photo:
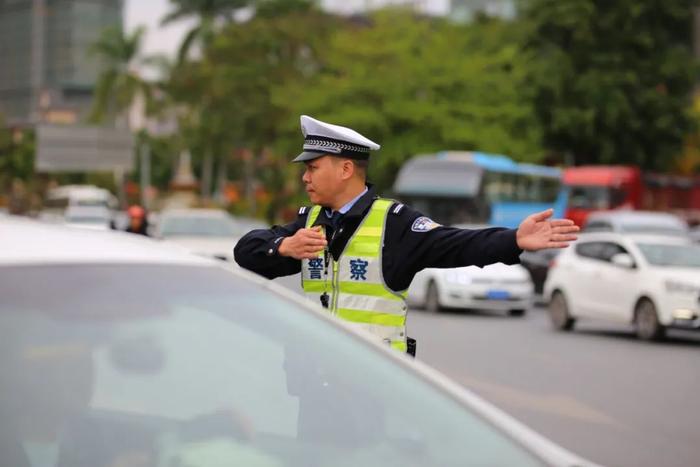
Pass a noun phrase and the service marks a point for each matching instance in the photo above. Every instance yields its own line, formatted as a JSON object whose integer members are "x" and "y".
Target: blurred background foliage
{"x": 612, "y": 81}
{"x": 564, "y": 82}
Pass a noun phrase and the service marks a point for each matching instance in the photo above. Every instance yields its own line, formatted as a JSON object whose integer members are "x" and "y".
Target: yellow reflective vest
{"x": 355, "y": 283}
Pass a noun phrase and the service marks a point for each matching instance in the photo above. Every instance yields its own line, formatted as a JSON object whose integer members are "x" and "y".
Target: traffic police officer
{"x": 358, "y": 252}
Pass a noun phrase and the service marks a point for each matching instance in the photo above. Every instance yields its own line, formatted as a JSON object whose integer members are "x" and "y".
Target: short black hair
{"x": 361, "y": 166}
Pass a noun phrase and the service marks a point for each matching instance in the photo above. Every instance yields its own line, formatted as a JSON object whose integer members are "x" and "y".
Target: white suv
{"x": 651, "y": 281}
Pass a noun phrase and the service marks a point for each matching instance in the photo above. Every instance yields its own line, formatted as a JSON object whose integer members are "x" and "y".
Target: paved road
{"x": 597, "y": 391}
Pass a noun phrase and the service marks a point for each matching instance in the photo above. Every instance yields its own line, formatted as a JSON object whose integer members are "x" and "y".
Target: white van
{"x": 83, "y": 205}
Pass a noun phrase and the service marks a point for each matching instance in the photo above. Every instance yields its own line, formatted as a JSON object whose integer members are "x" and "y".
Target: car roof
{"x": 27, "y": 241}
{"x": 622, "y": 216}
{"x": 77, "y": 191}
{"x": 634, "y": 237}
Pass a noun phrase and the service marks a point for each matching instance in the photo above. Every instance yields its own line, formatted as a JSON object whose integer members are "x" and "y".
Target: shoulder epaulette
{"x": 303, "y": 210}
{"x": 397, "y": 208}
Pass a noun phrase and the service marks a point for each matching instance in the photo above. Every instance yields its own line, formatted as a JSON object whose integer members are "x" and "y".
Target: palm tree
{"x": 207, "y": 11}
{"x": 119, "y": 84}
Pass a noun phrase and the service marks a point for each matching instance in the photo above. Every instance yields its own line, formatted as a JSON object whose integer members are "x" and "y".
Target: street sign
{"x": 68, "y": 148}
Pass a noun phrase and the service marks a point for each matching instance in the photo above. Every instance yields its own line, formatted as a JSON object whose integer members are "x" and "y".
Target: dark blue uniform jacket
{"x": 411, "y": 243}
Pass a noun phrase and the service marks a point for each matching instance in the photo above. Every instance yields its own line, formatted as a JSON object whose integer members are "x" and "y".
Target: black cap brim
{"x": 309, "y": 156}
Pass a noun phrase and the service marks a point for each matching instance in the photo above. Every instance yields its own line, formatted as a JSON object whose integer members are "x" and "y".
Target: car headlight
{"x": 681, "y": 287}
{"x": 460, "y": 278}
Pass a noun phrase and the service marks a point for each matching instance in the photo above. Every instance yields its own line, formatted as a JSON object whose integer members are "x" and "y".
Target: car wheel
{"x": 432, "y": 298}
{"x": 646, "y": 320}
{"x": 516, "y": 312}
{"x": 559, "y": 313}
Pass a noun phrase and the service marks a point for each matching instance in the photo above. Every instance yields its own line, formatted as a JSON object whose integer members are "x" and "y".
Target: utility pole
{"x": 145, "y": 170}
{"x": 37, "y": 57}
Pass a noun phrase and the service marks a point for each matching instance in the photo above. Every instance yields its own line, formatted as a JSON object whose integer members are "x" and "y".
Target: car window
{"x": 245, "y": 225}
{"x": 591, "y": 197}
{"x": 686, "y": 256}
{"x": 588, "y": 249}
{"x": 610, "y": 249}
{"x": 197, "y": 226}
{"x": 602, "y": 251}
{"x": 176, "y": 365}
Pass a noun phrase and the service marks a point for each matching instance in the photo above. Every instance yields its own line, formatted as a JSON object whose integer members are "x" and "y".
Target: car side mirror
{"x": 623, "y": 260}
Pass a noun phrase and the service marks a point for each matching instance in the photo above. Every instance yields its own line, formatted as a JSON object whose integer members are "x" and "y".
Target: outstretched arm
{"x": 414, "y": 242}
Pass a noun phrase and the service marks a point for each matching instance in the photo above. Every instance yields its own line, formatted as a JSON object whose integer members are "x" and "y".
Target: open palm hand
{"x": 538, "y": 232}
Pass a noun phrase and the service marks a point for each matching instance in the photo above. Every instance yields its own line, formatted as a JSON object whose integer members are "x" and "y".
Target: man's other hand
{"x": 304, "y": 244}
{"x": 538, "y": 232}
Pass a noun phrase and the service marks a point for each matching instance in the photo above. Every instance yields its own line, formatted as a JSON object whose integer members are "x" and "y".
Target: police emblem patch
{"x": 424, "y": 224}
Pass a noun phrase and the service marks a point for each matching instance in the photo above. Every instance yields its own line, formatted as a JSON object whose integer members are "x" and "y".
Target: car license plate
{"x": 497, "y": 295}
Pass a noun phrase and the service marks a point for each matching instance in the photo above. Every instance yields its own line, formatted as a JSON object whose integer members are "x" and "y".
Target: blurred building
{"x": 46, "y": 72}
{"x": 466, "y": 10}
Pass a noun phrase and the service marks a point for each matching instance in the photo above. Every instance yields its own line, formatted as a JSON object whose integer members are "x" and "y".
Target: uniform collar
{"x": 363, "y": 203}
{"x": 347, "y": 205}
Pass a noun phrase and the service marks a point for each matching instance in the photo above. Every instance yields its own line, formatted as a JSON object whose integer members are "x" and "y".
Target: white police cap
{"x": 321, "y": 138}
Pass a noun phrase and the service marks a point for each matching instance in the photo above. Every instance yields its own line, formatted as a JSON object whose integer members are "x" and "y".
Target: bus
{"x": 455, "y": 187}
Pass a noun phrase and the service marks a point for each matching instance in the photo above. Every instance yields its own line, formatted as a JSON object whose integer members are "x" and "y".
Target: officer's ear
{"x": 348, "y": 169}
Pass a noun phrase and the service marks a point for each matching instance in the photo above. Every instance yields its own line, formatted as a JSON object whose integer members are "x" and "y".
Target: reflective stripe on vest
{"x": 355, "y": 284}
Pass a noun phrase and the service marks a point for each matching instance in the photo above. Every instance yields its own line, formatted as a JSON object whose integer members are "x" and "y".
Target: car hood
{"x": 221, "y": 247}
{"x": 685, "y": 275}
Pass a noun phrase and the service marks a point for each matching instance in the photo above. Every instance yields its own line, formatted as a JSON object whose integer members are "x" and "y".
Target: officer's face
{"x": 322, "y": 179}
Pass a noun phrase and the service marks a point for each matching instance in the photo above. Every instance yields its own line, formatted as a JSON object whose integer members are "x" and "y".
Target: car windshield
{"x": 90, "y": 202}
{"x": 86, "y": 220}
{"x": 193, "y": 365}
{"x": 197, "y": 226}
{"x": 595, "y": 197}
{"x": 245, "y": 225}
{"x": 684, "y": 256}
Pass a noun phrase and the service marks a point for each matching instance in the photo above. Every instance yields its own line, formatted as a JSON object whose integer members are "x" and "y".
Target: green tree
{"x": 417, "y": 84}
{"x": 412, "y": 83}
{"x": 611, "y": 81}
{"x": 119, "y": 83}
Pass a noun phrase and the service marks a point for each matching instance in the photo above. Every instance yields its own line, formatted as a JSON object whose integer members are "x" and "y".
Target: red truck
{"x": 606, "y": 187}
{"x": 601, "y": 187}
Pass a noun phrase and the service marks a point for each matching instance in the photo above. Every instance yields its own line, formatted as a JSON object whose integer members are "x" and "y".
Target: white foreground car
{"x": 120, "y": 350}
{"x": 497, "y": 287}
{"x": 651, "y": 281}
